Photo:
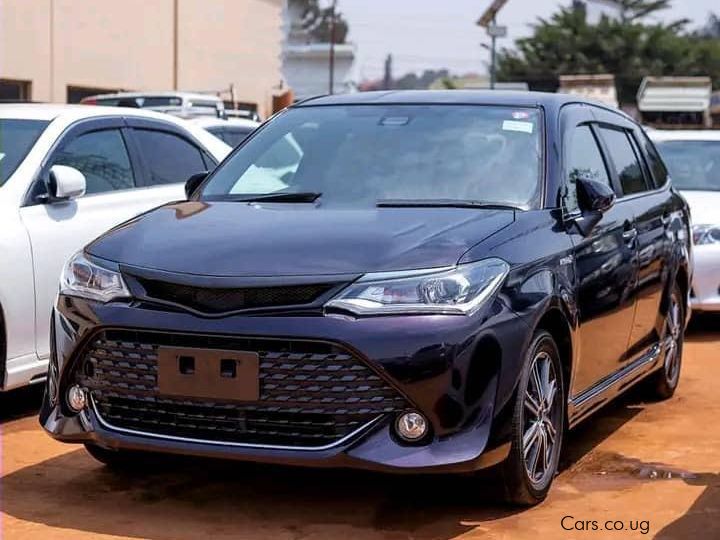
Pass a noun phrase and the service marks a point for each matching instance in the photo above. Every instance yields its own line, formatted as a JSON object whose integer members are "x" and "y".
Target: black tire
{"x": 117, "y": 459}
{"x": 663, "y": 383}
{"x": 523, "y": 484}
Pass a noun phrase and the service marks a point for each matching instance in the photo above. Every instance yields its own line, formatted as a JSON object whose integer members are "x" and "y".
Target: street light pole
{"x": 332, "y": 47}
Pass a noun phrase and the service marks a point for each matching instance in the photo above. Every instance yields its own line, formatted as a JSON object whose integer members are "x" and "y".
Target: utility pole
{"x": 332, "y": 47}
{"x": 493, "y": 56}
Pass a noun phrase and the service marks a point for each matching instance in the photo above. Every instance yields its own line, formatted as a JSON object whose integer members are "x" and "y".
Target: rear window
{"x": 17, "y": 137}
{"x": 693, "y": 164}
{"x": 358, "y": 155}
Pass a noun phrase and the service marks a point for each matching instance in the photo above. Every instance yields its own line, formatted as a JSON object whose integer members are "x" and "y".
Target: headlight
{"x": 706, "y": 234}
{"x": 458, "y": 291}
{"x": 86, "y": 279}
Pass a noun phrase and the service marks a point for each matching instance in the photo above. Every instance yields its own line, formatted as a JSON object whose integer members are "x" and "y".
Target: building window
{"x": 76, "y": 93}
{"x": 11, "y": 90}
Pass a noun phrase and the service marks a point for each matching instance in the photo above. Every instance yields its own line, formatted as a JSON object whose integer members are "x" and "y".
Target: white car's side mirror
{"x": 65, "y": 183}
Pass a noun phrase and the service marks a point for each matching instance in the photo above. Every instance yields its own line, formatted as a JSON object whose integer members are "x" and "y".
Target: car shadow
{"x": 178, "y": 498}
{"x": 701, "y": 519}
{"x": 20, "y": 403}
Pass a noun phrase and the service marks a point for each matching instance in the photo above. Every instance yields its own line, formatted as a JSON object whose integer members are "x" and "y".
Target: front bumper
{"x": 706, "y": 279}
{"x": 453, "y": 369}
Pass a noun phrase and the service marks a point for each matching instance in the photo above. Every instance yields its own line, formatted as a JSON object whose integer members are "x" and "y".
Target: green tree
{"x": 567, "y": 43}
{"x": 317, "y": 21}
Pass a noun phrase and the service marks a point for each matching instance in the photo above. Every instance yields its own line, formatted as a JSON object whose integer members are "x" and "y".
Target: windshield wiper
{"x": 442, "y": 203}
{"x": 300, "y": 197}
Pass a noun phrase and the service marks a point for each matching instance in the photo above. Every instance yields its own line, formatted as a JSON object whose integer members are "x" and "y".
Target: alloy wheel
{"x": 541, "y": 418}
{"x": 673, "y": 335}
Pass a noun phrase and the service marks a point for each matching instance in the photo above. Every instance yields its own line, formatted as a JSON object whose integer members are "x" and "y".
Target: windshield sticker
{"x": 520, "y": 115}
{"x": 1, "y": 156}
{"x": 395, "y": 121}
{"x": 515, "y": 125}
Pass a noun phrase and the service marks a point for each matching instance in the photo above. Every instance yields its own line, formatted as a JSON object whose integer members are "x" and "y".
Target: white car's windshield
{"x": 693, "y": 165}
{"x": 363, "y": 154}
{"x": 17, "y": 137}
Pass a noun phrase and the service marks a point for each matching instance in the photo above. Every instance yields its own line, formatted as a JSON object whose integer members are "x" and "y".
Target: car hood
{"x": 240, "y": 239}
{"x": 703, "y": 206}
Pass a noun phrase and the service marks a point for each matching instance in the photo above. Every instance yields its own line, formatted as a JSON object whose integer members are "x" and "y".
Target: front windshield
{"x": 361, "y": 154}
{"x": 17, "y": 137}
{"x": 693, "y": 165}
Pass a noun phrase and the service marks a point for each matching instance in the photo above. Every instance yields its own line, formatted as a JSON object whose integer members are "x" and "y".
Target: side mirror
{"x": 65, "y": 183}
{"x": 594, "y": 196}
{"x": 194, "y": 182}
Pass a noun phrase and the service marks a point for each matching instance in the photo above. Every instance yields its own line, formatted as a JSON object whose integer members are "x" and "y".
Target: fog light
{"x": 411, "y": 426}
{"x": 76, "y": 398}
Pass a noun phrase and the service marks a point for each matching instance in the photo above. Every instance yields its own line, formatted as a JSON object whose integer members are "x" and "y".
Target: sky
{"x": 432, "y": 34}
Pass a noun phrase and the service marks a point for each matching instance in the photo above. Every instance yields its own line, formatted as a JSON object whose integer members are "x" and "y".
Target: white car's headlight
{"x": 81, "y": 277}
{"x": 461, "y": 290}
{"x": 706, "y": 234}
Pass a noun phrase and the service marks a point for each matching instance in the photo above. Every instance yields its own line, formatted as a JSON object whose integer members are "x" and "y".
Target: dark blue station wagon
{"x": 398, "y": 281}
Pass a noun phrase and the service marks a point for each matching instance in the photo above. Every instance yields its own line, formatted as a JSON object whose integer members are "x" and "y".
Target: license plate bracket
{"x": 209, "y": 374}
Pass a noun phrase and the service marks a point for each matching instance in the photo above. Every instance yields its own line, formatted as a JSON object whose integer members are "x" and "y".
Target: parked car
{"x": 231, "y": 131}
{"x": 693, "y": 158}
{"x": 182, "y": 104}
{"x": 67, "y": 174}
{"x": 443, "y": 281}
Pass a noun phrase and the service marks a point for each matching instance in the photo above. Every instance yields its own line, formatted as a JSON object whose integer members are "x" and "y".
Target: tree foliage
{"x": 627, "y": 47}
{"x": 317, "y": 21}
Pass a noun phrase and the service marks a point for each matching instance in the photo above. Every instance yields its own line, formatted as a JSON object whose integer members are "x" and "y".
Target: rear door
{"x": 652, "y": 208}
{"x": 605, "y": 259}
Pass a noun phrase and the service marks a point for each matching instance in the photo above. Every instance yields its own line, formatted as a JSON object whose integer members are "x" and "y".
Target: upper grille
{"x": 312, "y": 394}
{"x": 224, "y": 300}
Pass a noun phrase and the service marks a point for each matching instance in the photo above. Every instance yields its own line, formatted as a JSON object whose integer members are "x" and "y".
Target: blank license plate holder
{"x": 209, "y": 374}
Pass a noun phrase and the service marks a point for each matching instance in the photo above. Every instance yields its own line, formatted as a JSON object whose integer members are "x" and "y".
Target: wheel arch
{"x": 555, "y": 322}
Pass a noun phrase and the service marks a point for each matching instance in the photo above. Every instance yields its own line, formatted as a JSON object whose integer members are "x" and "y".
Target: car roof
{"x": 52, "y": 111}
{"x": 684, "y": 135}
{"x": 188, "y": 95}
{"x": 68, "y": 114}
{"x": 210, "y": 121}
{"x": 471, "y": 97}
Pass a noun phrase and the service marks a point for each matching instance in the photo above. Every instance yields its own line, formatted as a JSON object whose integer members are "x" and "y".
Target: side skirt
{"x": 595, "y": 397}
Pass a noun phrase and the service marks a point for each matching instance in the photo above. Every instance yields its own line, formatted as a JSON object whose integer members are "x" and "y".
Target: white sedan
{"x": 693, "y": 158}
{"x": 233, "y": 131}
{"x": 67, "y": 174}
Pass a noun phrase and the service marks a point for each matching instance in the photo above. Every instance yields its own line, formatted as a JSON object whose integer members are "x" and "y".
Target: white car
{"x": 67, "y": 174}
{"x": 693, "y": 158}
{"x": 233, "y": 131}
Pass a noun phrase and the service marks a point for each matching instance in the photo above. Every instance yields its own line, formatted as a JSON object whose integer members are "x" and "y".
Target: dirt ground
{"x": 652, "y": 470}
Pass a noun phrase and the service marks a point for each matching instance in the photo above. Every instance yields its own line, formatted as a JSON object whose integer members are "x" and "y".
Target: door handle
{"x": 630, "y": 235}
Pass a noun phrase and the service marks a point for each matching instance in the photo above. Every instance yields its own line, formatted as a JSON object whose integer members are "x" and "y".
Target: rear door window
{"x": 169, "y": 158}
{"x": 625, "y": 159}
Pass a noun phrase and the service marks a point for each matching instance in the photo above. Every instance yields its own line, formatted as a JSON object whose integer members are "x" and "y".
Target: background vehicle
{"x": 67, "y": 174}
{"x": 182, "y": 104}
{"x": 389, "y": 302}
{"x": 693, "y": 158}
{"x": 232, "y": 131}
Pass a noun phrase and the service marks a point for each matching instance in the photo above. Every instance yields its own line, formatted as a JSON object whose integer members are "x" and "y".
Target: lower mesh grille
{"x": 312, "y": 394}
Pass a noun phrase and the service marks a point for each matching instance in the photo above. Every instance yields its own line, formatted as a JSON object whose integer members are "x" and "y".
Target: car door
{"x": 605, "y": 258}
{"x": 99, "y": 149}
